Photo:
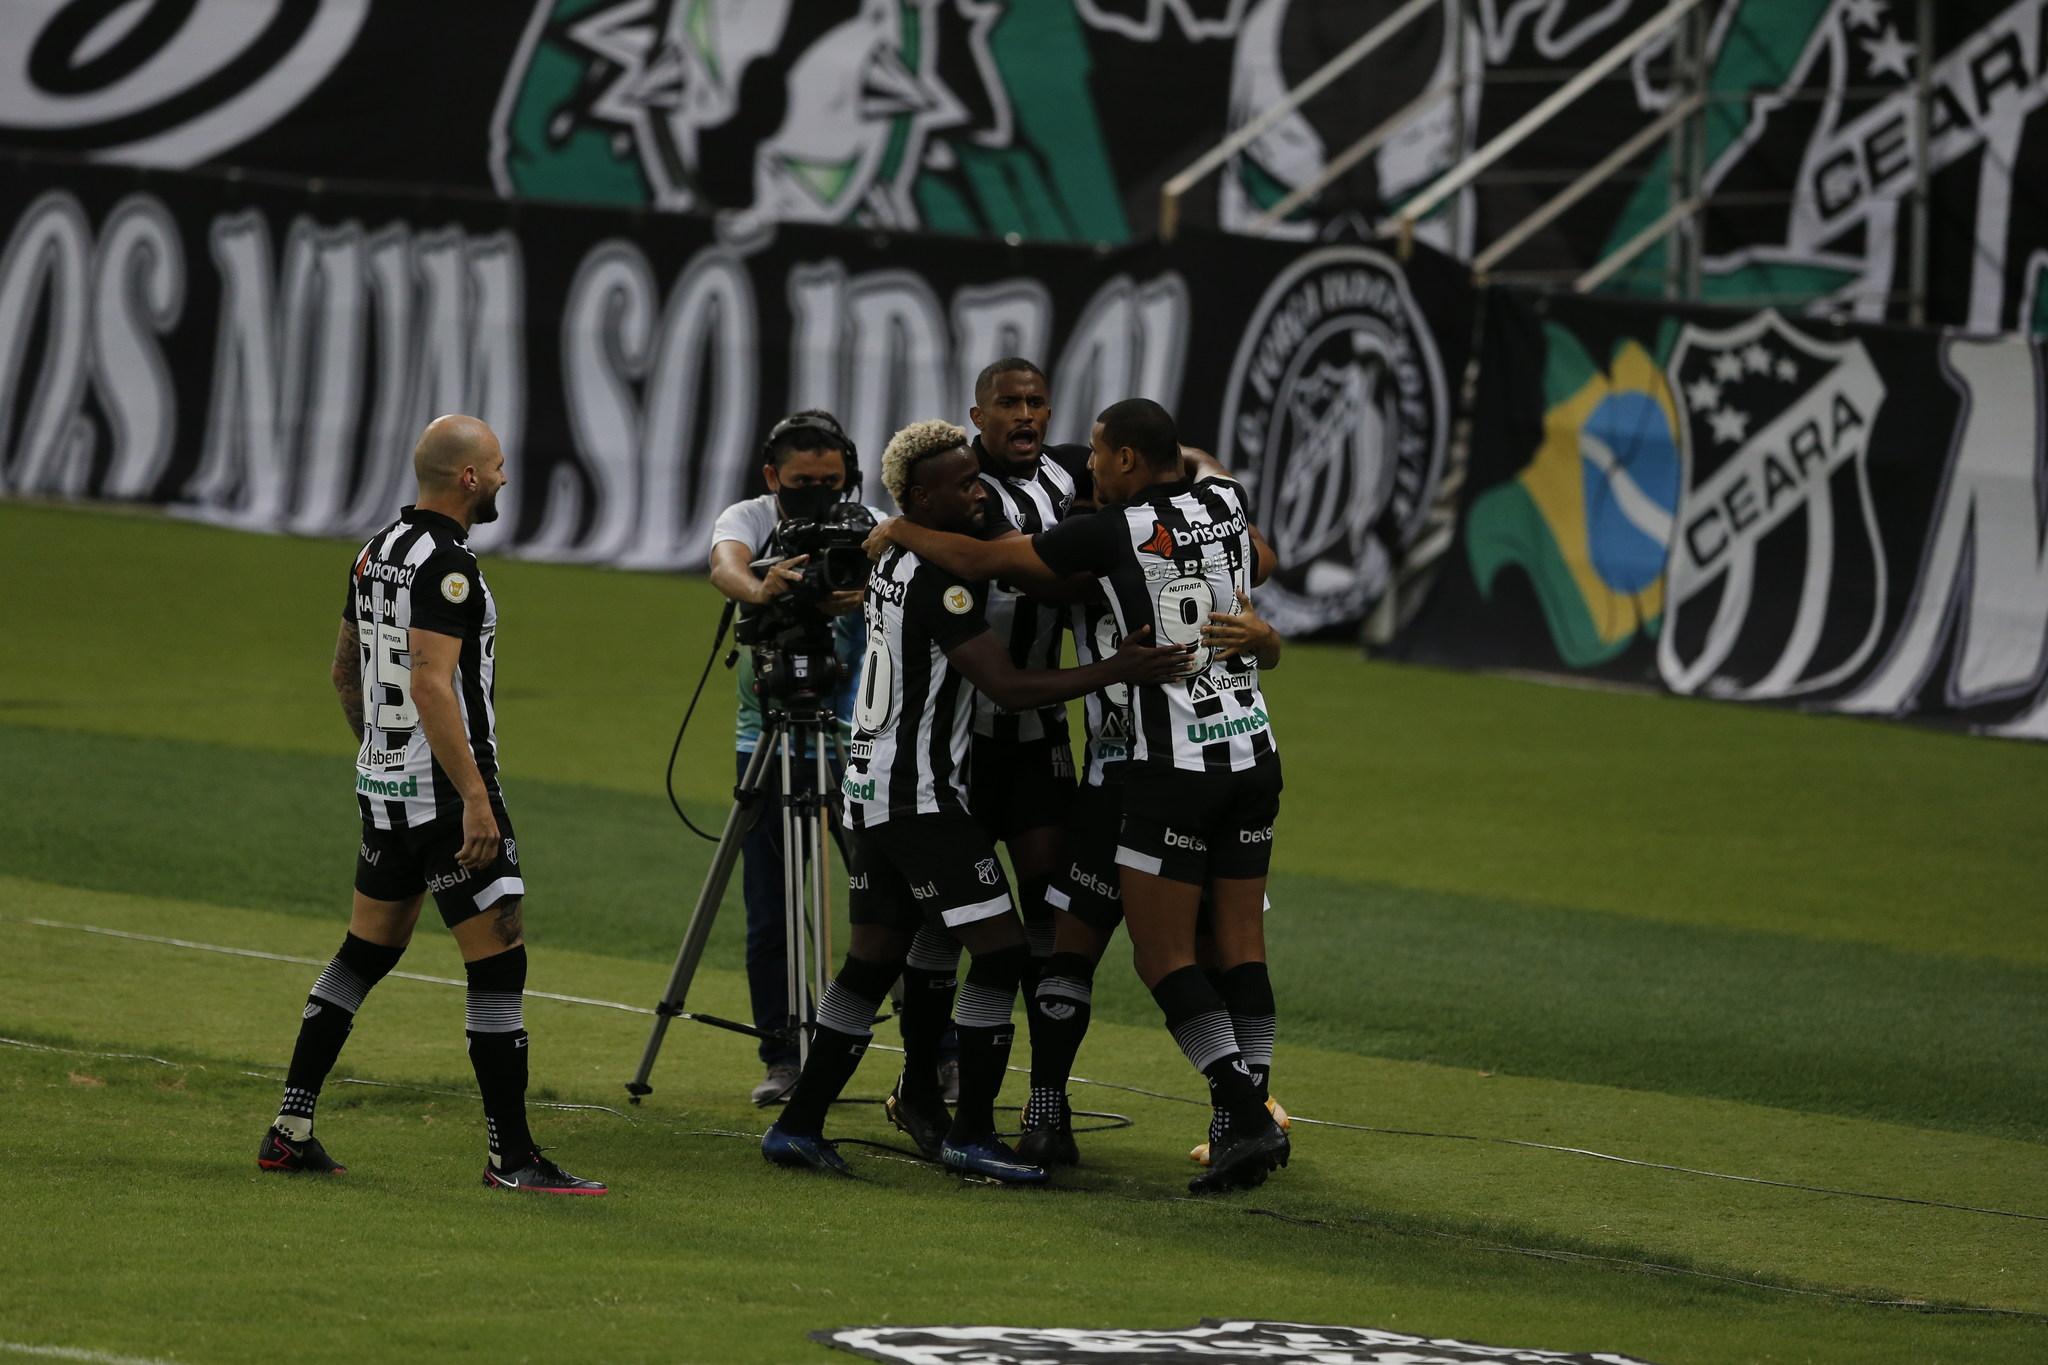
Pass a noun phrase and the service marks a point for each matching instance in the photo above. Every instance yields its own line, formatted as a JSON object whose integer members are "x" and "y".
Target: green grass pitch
{"x": 1508, "y": 920}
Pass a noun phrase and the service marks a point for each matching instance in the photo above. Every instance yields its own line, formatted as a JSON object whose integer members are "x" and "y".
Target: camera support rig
{"x": 797, "y": 719}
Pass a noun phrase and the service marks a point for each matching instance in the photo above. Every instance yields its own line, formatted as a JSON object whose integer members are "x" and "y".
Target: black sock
{"x": 930, "y": 975}
{"x": 1199, "y": 1023}
{"x": 1059, "y": 1021}
{"x": 495, "y": 1022}
{"x": 1248, "y": 994}
{"x": 846, "y": 1021}
{"x": 982, "y": 1017}
{"x": 1039, "y": 930}
{"x": 329, "y": 1015}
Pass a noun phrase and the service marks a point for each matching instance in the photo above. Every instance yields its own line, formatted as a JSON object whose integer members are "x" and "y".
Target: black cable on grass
{"x": 1160, "y": 1095}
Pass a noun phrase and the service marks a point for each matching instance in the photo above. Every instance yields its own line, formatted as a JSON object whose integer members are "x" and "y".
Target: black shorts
{"x": 398, "y": 864}
{"x": 1190, "y": 827}
{"x": 1086, "y": 883}
{"x": 1015, "y": 785}
{"x": 918, "y": 870}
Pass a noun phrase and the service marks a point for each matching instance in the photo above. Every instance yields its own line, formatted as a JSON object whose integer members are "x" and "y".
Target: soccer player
{"x": 916, "y": 857}
{"x": 415, "y": 666}
{"x": 1203, "y": 784}
{"x": 1085, "y": 895}
{"x": 1021, "y": 773}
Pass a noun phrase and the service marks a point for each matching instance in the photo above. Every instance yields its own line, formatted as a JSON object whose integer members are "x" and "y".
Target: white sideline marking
{"x": 314, "y": 962}
{"x": 22, "y": 1348}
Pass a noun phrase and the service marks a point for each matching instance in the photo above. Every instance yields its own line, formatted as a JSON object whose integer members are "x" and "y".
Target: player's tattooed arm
{"x": 347, "y": 675}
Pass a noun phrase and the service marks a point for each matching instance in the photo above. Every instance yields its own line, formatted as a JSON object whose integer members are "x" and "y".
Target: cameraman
{"x": 808, "y": 466}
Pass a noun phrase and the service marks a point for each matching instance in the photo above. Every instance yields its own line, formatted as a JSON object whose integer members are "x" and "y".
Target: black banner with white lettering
{"x": 264, "y": 356}
{"x": 1061, "y": 122}
{"x": 1748, "y": 507}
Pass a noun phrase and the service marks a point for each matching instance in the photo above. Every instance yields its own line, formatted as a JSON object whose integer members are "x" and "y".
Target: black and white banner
{"x": 264, "y": 357}
{"x": 1051, "y": 121}
{"x": 1755, "y": 508}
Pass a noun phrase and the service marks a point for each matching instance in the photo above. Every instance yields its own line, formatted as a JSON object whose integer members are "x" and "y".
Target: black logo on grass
{"x": 1209, "y": 1340}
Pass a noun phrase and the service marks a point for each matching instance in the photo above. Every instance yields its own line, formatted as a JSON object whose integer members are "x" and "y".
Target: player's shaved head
{"x": 448, "y": 446}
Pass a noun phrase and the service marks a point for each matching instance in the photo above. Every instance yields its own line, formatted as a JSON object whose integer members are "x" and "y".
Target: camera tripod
{"x": 787, "y": 730}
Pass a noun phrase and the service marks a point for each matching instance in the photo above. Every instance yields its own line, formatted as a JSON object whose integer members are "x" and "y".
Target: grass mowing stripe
{"x": 1941, "y": 1041}
{"x": 1527, "y": 1195}
{"x": 1652, "y": 807}
{"x": 1015, "y": 1070}
{"x": 681, "y": 1271}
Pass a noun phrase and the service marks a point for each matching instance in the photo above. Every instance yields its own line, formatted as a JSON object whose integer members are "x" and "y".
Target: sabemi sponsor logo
{"x": 388, "y": 786}
{"x": 1207, "y": 733}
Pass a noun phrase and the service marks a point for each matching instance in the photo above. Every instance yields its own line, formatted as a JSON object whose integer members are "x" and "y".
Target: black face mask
{"x": 806, "y": 504}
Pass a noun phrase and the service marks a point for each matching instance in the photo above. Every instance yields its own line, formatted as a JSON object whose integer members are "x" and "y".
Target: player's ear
{"x": 772, "y": 477}
{"x": 974, "y": 416}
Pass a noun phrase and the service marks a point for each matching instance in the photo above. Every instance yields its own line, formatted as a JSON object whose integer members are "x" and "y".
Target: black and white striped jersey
{"x": 1167, "y": 561}
{"x": 1030, "y": 630}
{"x": 418, "y": 574}
{"x": 1108, "y": 711}
{"x": 913, "y": 710}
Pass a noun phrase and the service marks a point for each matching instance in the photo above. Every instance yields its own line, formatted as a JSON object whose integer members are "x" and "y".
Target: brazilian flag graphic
{"x": 1590, "y": 518}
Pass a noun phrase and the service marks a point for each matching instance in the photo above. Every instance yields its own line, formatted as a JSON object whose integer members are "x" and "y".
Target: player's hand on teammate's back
{"x": 1143, "y": 662}
{"x": 479, "y": 835}
{"x": 877, "y": 544}
{"x": 1241, "y": 632}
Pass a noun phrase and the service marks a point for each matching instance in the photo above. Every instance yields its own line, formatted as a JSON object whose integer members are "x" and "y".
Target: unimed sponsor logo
{"x": 1200, "y": 733}
{"x": 387, "y": 786}
{"x": 857, "y": 789}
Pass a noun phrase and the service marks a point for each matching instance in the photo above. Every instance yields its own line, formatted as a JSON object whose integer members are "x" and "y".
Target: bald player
{"x": 414, "y": 667}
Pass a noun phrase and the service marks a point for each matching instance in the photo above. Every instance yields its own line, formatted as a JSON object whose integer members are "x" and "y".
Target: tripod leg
{"x": 821, "y": 872}
{"x": 737, "y": 823}
{"x": 795, "y": 868}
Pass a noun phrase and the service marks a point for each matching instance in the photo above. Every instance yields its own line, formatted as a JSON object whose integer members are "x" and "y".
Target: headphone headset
{"x": 826, "y": 425}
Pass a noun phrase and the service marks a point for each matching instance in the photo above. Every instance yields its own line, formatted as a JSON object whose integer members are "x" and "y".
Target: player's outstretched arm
{"x": 986, "y": 664}
{"x": 434, "y": 660}
{"x": 1011, "y": 559}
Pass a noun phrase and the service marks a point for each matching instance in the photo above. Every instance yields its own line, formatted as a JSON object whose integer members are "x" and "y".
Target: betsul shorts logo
{"x": 1336, "y": 414}
{"x": 1774, "y": 433}
{"x": 1255, "y": 836}
{"x": 1193, "y": 843}
{"x": 172, "y": 87}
